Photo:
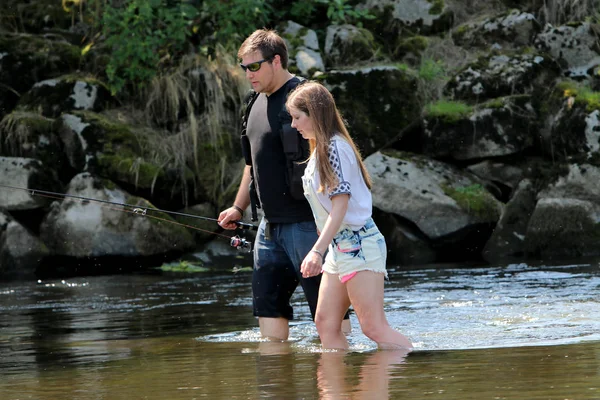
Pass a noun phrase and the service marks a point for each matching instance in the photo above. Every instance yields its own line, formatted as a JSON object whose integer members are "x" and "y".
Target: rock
{"x": 76, "y": 228}
{"x": 53, "y": 97}
{"x": 21, "y": 252}
{"x": 573, "y": 46}
{"x": 513, "y": 29}
{"x": 566, "y": 219}
{"x": 508, "y": 239}
{"x": 377, "y": 103}
{"x": 437, "y": 198}
{"x": 303, "y": 49}
{"x": 347, "y": 42}
{"x": 497, "y": 128}
{"x": 24, "y": 175}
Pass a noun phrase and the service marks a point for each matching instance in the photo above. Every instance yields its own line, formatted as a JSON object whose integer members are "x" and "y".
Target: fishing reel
{"x": 241, "y": 244}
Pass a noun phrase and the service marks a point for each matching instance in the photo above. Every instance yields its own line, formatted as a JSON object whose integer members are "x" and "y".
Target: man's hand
{"x": 228, "y": 218}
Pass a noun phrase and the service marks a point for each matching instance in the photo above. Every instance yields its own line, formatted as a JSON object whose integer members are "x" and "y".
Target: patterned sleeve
{"x": 343, "y": 186}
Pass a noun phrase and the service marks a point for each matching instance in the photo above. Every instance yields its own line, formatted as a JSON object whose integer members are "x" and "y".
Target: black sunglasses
{"x": 255, "y": 66}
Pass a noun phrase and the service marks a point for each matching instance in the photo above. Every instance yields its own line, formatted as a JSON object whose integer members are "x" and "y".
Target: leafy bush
{"x": 142, "y": 35}
{"x": 229, "y": 22}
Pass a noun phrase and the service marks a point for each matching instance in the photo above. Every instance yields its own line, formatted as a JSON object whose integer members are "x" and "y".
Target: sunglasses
{"x": 255, "y": 66}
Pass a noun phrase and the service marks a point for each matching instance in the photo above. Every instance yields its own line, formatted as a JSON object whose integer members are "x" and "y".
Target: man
{"x": 288, "y": 231}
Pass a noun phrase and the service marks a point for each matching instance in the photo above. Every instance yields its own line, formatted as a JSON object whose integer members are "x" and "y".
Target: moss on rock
{"x": 475, "y": 200}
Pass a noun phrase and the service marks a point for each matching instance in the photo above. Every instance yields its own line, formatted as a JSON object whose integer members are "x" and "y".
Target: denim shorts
{"x": 353, "y": 251}
{"x": 276, "y": 274}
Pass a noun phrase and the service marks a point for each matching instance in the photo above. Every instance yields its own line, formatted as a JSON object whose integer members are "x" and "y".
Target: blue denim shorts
{"x": 276, "y": 274}
{"x": 354, "y": 251}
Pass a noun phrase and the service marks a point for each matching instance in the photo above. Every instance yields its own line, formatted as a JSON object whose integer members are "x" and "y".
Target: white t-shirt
{"x": 350, "y": 181}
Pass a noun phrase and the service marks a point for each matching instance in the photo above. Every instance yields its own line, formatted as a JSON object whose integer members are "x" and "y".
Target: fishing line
{"x": 235, "y": 241}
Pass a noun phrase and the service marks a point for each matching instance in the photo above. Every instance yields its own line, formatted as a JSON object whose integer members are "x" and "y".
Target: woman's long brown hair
{"x": 316, "y": 101}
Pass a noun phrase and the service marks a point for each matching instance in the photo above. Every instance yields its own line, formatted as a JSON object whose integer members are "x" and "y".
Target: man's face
{"x": 262, "y": 80}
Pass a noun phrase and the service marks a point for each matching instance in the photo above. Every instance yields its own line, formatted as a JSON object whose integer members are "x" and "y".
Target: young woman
{"x": 337, "y": 186}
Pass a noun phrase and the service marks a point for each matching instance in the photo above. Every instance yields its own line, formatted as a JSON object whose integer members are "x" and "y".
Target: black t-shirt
{"x": 268, "y": 159}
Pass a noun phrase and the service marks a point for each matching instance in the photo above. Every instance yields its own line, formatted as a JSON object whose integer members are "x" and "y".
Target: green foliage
{"x": 303, "y": 10}
{"x": 142, "y": 35}
{"x": 431, "y": 70}
{"x": 229, "y": 22}
{"x": 581, "y": 93}
{"x": 340, "y": 12}
{"x": 183, "y": 266}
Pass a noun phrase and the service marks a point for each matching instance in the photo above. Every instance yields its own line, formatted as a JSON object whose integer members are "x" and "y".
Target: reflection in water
{"x": 336, "y": 380}
{"x": 482, "y": 333}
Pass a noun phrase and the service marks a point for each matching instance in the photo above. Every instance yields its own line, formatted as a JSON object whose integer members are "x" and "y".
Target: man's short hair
{"x": 268, "y": 43}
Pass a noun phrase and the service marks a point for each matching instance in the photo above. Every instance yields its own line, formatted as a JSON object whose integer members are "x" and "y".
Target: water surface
{"x": 505, "y": 332}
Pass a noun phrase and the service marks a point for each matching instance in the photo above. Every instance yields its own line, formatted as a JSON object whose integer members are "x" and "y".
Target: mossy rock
{"x": 347, "y": 43}
{"x": 122, "y": 153}
{"x": 34, "y": 16}
{"x": 54, "y": 97}
{"x": 475, "y": 200}
{"x": 412, "y": 46}
{"x": 563, "y": 228}
{"x": 30, "y": 135}
{"x": 28, "y": 59}
{"x": 377, "y": 102}
{"x": 391, "y": 21}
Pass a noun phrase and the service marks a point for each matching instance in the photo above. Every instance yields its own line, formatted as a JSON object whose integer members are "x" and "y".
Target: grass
{"x": 450, "y": 111}
{"x": 17, "y": 128}
{"x": 217, "y": 84}
{"x": 582, "y": 94}
{"x": 558, "y": 12}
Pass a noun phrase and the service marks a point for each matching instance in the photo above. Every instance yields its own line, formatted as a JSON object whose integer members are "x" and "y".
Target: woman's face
{"x": 303, "y": 123}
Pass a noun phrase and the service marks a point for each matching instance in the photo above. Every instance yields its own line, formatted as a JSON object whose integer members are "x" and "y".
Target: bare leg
{"x": 333, "y": 303}
{"x": 365, "y": 291}
{"x": 274, "y": 328}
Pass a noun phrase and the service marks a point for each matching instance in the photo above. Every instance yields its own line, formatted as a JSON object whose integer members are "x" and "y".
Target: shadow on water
{"x": 510, "y": 332}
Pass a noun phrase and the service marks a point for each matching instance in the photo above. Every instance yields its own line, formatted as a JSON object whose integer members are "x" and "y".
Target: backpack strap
{"x": 250, "y": 99}
{"x": 295, "y": 147}
{"x": 254, "y": 201}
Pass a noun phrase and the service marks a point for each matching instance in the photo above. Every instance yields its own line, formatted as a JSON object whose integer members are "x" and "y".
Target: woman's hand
{"x": 312, "y": 265}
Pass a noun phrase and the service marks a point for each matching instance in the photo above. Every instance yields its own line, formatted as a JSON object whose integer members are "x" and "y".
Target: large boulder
{"x": 507, "y": 30}
{"x": 507, "y": 242}
{"x": 393, "y": 17}
{"x": 571, "y": 124}
{"x": 574, "y": 46}
{"x": 437, "y": 198}
{"x": 498, "y": 75}
{"x": 53, "y": 97}
{"x": 28, "y": 59}
{"x": 31, "y": 135}
{"x": 497, "y": 128}
{"x": 19, "y": 178}
{"x": 377, "y": 102}
{"x": 348, "y": 44}
{"x": 303, "y": 48}
{"x": 566, "y": 219}
{"x": 21, "y": 252}
{"x": 78, "y": 228}
{"x": 104, "y": 146}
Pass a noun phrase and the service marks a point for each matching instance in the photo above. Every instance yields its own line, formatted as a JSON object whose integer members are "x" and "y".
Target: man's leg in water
{"x": 274, "y": 328}
{"x": 273, "y": 283}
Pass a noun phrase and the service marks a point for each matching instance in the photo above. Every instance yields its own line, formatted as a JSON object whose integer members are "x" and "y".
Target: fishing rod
{"x": 236, "y": 241}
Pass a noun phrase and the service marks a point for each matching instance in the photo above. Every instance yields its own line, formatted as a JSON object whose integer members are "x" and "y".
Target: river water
{"x": 505, "y": 332}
